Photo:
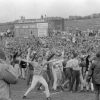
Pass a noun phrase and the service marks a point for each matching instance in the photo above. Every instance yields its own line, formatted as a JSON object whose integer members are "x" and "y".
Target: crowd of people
{"x": 56, "y": 63}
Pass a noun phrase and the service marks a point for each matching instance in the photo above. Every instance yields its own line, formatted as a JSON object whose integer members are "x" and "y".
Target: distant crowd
{"x": 57, "y": 62}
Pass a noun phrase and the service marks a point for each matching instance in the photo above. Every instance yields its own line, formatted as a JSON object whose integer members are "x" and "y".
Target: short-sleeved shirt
{"x": 73, "y": 63}
{"x": 38, "y": 68}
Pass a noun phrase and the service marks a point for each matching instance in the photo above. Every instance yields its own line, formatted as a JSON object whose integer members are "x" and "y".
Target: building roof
{"x": 30, "y": 20}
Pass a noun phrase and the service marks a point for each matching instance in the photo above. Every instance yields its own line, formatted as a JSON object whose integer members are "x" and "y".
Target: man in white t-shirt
{"x": 74, "y": 64}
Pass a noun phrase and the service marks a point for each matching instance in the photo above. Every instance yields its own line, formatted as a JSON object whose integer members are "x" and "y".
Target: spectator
{"x": 8, "y": 75}
{"x": 94, "y": 73}
{"x": 74, "y": 64}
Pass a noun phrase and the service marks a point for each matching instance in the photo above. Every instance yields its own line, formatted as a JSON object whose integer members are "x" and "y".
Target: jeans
{"x": 68, "y": 76}
{"x": 55, "y": 79}
{"x": 29, "y": 76}
{"x": 75, "y": 77}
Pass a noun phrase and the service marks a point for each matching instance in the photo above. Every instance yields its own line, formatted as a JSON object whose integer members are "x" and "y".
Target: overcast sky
{"x": 13, "y": 9}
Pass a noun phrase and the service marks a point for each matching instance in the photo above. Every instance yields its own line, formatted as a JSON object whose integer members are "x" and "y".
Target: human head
{"x": 40, "y": 59}
{"x": 88, "y": 56}
{"x": 98, "y": 54}
{"x": 75, "y": 55}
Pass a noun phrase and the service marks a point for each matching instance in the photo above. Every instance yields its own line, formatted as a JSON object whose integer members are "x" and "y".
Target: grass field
{"x": 19, "y": 89}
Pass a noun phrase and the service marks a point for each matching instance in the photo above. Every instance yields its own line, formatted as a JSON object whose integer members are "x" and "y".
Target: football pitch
{"x": 20, "y": 88}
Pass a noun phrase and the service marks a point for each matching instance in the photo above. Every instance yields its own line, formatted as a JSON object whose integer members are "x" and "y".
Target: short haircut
{"x": 98, "y": 54}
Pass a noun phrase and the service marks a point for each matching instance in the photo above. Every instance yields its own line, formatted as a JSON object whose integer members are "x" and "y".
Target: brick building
{"x": 55, "y": 23}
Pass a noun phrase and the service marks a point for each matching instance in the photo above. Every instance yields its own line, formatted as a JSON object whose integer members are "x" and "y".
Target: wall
{"x": 28, "y": 29}
{"x": 25, "y": 29}
{"x": 42, "y": 29}
{"x": 55, "y": 23}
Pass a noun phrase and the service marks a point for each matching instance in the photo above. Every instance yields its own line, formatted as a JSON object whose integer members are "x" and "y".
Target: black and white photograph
{"x": 49, "y": 49}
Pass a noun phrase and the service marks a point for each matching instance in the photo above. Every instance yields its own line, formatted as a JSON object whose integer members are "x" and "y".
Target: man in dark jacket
{"x": 94, "y": 73}
{"x": 87, "y": 62}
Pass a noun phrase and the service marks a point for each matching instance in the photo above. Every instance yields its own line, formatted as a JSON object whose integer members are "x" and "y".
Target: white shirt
{"x": 73, "y": 63}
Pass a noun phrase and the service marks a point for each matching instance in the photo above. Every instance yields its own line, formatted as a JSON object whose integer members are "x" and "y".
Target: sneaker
{"x": 24, "y": 97}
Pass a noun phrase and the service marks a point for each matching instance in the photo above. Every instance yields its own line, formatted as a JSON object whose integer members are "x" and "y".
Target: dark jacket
{"x": 23, "y": 64}
{"x": 94, "y": 71}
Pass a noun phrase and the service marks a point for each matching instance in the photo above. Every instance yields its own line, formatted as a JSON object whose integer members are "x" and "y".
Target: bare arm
{"x": 20, "y": 59}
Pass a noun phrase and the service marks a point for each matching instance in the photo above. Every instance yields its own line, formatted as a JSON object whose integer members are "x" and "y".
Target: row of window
{"x": 25, "y": 26}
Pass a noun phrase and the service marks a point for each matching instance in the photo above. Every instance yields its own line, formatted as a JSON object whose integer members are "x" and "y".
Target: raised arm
{"x": 20, "y": 59}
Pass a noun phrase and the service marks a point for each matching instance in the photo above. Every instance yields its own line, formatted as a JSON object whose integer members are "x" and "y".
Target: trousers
{"x": 23, "y": 73}
{"x": 35, "y": 80}
{"x": 68, "y": 76}
{"x": 55, "y": 78}
{"x": 97, "y": 91}
{"x": 75, "y": 77}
